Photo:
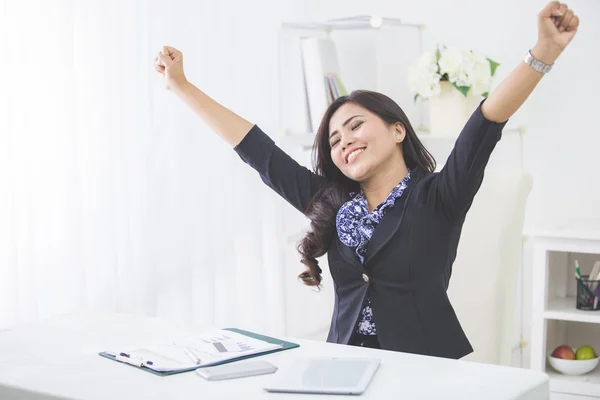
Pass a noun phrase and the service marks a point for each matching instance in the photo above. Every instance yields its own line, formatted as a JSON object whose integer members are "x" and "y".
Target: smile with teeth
{"x": 353, "y": 155}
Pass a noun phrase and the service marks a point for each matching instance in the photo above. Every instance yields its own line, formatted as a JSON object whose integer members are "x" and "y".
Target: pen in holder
{"x": 588, "y": 293}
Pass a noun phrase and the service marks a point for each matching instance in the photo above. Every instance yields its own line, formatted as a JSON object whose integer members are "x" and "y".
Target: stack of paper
{"x": 194, "y": 351}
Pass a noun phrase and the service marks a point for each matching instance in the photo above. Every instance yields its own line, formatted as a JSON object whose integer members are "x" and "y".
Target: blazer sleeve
{"x": 292, "y": 181}
{"x": 460, "y": 179}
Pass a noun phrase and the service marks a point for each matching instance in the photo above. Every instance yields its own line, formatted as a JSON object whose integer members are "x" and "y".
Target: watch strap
{"x": 537, "y": 64}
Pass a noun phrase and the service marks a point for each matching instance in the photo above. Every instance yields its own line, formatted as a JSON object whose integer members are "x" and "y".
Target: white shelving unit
{"x": 555, "y": 320}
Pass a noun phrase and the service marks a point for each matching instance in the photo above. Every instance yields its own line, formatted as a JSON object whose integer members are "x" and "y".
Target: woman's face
{"x": 361, "y": 142}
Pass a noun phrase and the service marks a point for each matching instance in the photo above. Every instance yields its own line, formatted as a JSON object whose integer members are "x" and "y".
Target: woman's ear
{"x": 399, "y": 132}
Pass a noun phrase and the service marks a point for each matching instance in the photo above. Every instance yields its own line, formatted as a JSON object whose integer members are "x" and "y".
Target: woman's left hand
{"x": 557, "y": 26}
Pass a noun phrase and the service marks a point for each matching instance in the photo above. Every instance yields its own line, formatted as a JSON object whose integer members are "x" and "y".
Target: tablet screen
{"x": 325, "y": 375}
{"x": 334, "y": 373}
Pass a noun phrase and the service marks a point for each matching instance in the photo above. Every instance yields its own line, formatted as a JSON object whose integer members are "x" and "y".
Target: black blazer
{"x": 409, "y": 259}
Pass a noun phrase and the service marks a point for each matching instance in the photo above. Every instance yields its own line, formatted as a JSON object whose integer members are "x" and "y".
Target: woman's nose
{"x": 347, "y": 142}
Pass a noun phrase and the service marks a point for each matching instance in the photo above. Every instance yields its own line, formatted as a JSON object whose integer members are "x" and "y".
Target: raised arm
{"x": 557, "y": 25}
{"x": 228, "y": 125}
{"x": 461, "y": 177}
{"x": 295, "y": 183}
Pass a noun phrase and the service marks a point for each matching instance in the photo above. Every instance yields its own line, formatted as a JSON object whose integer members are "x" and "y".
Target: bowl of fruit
{"x": 570, "y": 361}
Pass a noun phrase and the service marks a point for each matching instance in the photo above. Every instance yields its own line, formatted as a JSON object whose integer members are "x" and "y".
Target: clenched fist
{"x": 557, "y": 26}
{"x": 169, "y": 62}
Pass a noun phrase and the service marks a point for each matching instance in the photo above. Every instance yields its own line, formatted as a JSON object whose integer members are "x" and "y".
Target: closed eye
{"x": 354, "y": 127}
{"x": 357, "y": 125}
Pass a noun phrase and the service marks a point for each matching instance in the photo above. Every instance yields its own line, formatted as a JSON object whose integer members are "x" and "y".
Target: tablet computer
{"x": 325, "y": 376}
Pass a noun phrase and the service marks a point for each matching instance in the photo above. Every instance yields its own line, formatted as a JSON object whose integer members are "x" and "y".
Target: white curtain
{"x": 114, "y": 196}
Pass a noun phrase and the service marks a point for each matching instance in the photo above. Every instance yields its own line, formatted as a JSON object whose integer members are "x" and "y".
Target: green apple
{"x": 585, "y": 353}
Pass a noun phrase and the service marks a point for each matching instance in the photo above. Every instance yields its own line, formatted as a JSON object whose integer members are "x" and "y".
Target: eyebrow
{"x": 344, "y": 124}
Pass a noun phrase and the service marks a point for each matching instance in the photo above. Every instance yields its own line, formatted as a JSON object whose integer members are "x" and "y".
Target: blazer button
{"x": 365, "y": 278}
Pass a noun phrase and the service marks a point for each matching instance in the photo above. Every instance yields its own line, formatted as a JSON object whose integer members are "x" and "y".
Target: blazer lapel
{"x": 386, "y": 228}
{"x": 348, "y": 254}
{"x": 391, "y": 221}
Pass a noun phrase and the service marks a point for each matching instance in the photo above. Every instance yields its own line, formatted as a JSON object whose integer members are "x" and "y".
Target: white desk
{"x": 58, "y": 358}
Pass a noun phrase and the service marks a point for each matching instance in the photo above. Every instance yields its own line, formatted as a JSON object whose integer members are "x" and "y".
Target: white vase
{"x": 450, "y": 110}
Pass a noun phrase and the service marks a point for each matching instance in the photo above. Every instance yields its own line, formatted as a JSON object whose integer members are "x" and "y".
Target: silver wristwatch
{"x": 537, "y": 64}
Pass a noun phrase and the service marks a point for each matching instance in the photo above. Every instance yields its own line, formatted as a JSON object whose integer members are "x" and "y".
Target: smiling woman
{"x": 365, "y": 142}
{"x": 390, "y": 225}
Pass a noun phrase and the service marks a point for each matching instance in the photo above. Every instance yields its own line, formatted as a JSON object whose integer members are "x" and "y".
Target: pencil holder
{"x": 588, "y": 293}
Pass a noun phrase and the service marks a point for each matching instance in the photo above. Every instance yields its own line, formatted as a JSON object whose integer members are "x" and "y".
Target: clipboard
{"x": 284, "y": 346}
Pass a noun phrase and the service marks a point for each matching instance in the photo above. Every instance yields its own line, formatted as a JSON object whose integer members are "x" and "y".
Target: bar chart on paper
{"x": 226, "y": 344}
{"x": 222, "y": 345}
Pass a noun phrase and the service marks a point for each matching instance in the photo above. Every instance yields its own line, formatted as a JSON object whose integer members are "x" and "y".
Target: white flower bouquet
{"x": 468, "y": 71}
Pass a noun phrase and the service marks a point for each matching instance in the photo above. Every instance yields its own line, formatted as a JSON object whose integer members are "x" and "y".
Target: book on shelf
{"x": 332, "y": 88}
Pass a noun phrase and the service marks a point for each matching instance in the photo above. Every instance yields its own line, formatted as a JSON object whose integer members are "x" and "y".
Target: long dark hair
{"x": 323, "y": 208}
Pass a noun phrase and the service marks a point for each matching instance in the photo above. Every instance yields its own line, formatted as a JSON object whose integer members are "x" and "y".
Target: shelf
{"x": 563, "y": 309}
{"x": 573, "y": 228}
{"x": 360, "y": 22}
{"x": 583, "y": 385}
